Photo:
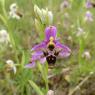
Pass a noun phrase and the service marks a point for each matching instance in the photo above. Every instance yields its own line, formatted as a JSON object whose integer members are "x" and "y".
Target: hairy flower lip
{"x": 49, "y": 49}
{"x": 51, "y": 59}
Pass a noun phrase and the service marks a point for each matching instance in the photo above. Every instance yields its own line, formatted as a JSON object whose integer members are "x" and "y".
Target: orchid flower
{"x": 88, "y": 4}
{"x": 49, "y": 49}
{"x": 88, "y": 17}
{"x": 14, "y": 13}
{"x": 11, "y": 66}
{"x": 4, "y": 37}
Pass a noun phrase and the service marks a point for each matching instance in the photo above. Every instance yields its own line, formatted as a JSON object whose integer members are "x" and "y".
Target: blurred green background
{"x": 68, "y": 20}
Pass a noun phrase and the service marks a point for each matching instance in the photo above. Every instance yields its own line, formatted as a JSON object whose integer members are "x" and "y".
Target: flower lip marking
{"x": 56, "y": 53}
{"x": 51, "y": 44}
{"x": 45, "y": 53}
{"x": 51, "y": 59}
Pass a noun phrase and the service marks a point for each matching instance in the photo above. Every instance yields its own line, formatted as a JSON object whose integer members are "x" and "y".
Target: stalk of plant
{"x": 4, "y": 18}
{"x": 50, "y": 49}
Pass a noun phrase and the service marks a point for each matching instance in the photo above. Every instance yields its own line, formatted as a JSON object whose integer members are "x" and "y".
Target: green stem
{"x": 81, "y": 43}
{"x": 44, "y": 73}
{"x": 4, "y": 19}
{"x": 47, "y": 86}
{"x": 36, "y": 88}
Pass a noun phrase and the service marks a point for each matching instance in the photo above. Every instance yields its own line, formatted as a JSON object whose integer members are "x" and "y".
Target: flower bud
{"x": 45, "y": 16}
{"x": 10, "y": 66}
{"x": 50, "y": 92}
{"x": 88, "y": 16}
{"x": 4, "y": 37}
{"x": 37, "y": 10}
{"x": 86, "y": 55}
{"x": 14, "y": 13}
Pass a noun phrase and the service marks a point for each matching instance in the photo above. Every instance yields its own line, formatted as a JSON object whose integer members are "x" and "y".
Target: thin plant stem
{"x": 81, "y": 83}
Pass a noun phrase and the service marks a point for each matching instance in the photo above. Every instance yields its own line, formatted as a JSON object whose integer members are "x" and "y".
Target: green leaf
{"x": 3, "y": 20}
{"x": 42, "y": 71}
{"x": 36, "y": 88}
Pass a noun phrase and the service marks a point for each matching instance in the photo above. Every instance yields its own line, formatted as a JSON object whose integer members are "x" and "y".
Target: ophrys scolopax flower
{"x": 49, "y": 49}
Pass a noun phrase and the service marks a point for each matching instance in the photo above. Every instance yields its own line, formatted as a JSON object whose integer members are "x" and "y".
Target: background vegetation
{"x": 70, "y": 76}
